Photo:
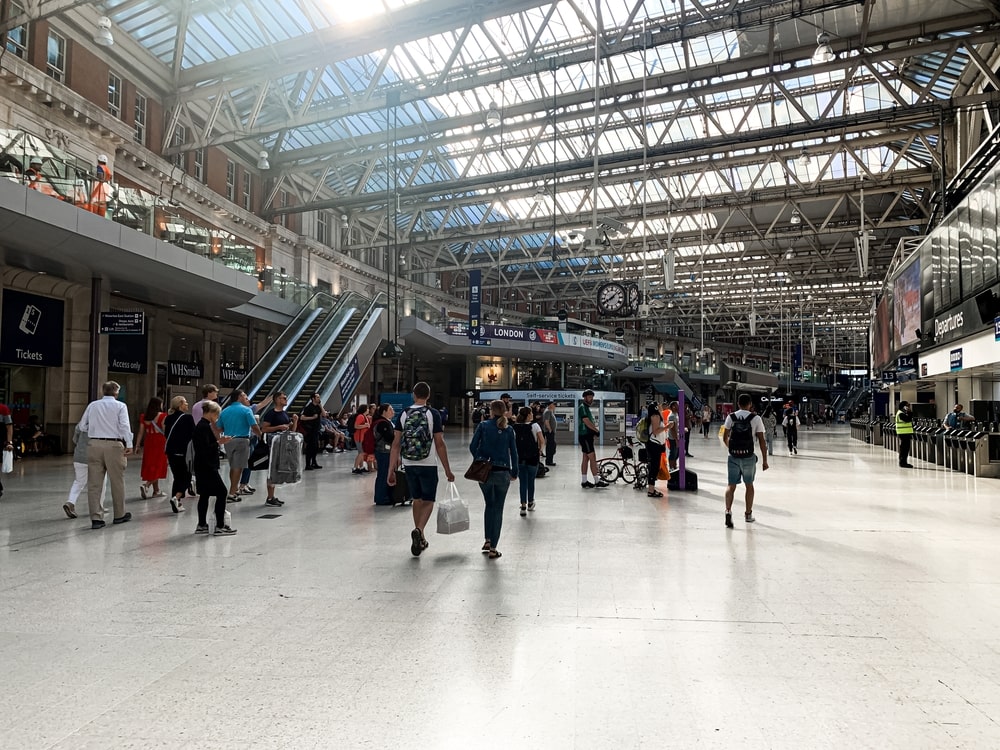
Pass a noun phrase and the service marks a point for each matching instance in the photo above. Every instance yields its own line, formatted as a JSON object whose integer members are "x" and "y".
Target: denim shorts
{"x": 745, "y": 466}
{"x": 423, "y": 482}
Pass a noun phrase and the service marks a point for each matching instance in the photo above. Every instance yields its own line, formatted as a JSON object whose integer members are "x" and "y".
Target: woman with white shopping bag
{"x": 494, "y": 442}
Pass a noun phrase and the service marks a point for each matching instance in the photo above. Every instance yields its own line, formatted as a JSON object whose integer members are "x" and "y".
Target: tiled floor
{"x": 862, "y": 610}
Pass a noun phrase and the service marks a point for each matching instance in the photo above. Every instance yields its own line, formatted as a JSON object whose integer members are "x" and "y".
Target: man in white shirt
{"x": 741, "y": 429}
{"x": 106, "y": 422}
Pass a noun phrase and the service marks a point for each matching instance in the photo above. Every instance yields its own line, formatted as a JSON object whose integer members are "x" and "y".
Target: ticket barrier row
{"x": 927, "y": 444}
{"x": 973, "y": 450}
{"x": 967, "y": 450}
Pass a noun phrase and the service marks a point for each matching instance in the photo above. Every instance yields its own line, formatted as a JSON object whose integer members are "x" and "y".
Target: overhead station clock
{"x": 611, "y": 298}
{"x": 618, "y": 299}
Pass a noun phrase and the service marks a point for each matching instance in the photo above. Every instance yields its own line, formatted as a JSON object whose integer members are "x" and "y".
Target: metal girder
{"x": 781, "y": 65}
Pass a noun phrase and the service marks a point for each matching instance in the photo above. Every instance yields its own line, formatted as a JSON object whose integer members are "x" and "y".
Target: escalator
{"x": 270, "y": 384}
{"x": 329, "y": 358}
{"x": 324, "y": 350}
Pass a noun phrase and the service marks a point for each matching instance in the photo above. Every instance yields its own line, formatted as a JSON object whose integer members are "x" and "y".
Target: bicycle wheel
{"x": 609, "y": 470}
{"x": 628, "y": 472}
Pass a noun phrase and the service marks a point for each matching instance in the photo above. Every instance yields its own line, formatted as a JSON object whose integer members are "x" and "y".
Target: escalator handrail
{"x": 279, "y": 349}
{"x": 327, "y": 385}
{"x": 293, "y": 380}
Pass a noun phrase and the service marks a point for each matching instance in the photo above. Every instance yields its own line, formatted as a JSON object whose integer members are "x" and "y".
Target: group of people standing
{"x": 187, "y": 440}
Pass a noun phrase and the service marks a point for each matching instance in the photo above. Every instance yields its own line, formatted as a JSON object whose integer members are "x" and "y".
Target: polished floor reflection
{"x": 861, "y": 610}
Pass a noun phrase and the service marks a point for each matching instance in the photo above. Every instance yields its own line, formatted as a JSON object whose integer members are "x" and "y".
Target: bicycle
{"x": 623, "y": 464}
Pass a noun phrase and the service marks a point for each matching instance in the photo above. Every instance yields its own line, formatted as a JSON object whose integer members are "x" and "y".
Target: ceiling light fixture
{"x": 804, "y": 159}
{"x": 493, "y": 118}
{"x": 541, "y": 196}
{"x": 102, "y": 35}
{"x": 824, "y": 52}
{"x": 262, "y": 160}
{"x": 796, "y": 217}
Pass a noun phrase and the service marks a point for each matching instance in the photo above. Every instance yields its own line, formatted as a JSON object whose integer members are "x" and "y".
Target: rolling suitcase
{"x": 401, "y": 490}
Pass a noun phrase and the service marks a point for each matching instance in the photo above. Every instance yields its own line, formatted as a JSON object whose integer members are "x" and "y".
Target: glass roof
{"x": 684, "y": 128}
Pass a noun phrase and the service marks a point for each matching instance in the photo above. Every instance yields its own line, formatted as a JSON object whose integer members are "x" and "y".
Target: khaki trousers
{"x": 105, "y": 457}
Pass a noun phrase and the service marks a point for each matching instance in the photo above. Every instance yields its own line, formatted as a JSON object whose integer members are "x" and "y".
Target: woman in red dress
{"x": 151, "y": 443}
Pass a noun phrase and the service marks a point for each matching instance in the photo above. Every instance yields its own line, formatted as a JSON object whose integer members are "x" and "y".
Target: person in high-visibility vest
{"x": 102, "y": 190}
{"x": 37, "y": 181}
{"x": 904, "y": 431}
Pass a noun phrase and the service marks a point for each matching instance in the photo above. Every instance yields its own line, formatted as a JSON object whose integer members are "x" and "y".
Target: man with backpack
{"x": 741, "y": 430}
{"x": 418, "y": 435}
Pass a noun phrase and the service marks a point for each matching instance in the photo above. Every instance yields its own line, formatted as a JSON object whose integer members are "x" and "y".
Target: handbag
{"x": 8, "y": 460}
{"x": 452, "y": 512}
{"x": 479, "y": 471}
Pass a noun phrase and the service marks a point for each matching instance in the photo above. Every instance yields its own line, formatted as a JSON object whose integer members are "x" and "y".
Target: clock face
{"x": 611, "y": 298}
{"x": 632, "y": 298}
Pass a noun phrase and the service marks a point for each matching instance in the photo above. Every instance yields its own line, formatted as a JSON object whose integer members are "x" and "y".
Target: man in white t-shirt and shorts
{"x": 416, "y": 449}
{"x": 741, "y": 430}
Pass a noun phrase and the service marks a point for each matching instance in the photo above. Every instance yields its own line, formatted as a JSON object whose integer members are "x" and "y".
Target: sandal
{"x": 494, "y": 554}
{"x": 654, "y": 493}
{"x": 486, "y": 546}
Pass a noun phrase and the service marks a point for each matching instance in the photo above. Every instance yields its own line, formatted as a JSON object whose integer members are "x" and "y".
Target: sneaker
{"x": 524, "y": 510}
{"x": 234, "y": 499}
{"x": 201, "y": 529}
{"x": 245, "y": 489}
{"x": 159, "y": 494}
{"x": 273, "y": 502}
{"x": 601, "y": 483}
{"x": 224, "y": 531}
{"x": 531, "y": 505}
{"x": 416, "y": 543}
{"x": 176, "y": 505}
{"x": 729, "y": 520}
{"x": 142, "y": 490}
{"x": 587, "y": 485}
{"x": 795, "y": 451}
{"x": 70, "y": 510}
{"x": 748, "y": 517}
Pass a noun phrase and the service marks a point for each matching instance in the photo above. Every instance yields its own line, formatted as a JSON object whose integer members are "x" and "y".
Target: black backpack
{"x": 741, "y": 436}
{"x": 526, "y": 443}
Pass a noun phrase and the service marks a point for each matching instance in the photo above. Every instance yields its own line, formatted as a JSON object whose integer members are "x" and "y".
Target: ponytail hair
{"x": 499, "y": 410}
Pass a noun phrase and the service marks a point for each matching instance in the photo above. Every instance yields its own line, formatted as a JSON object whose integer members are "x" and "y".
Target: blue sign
{"x": 797, "y": 363}
{"x": 956, "y": 360}
{"x": 996, "y": 328}
{"x": 480, "y": 342}
{"x": 888, "y": 376}
{"x": 32, "y": 329}
{"x": 475, "y": 302}
{"x": 906, "y": 362}
{"x": 349, "y": 380}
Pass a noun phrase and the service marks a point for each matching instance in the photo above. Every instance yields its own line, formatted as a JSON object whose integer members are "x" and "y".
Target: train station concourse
{"x": 592, "y": 212}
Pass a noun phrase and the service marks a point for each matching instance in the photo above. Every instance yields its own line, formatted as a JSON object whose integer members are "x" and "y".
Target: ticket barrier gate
{"x": 889, "y": 439}
{"x": 920, "y": 446}
{"x": 937, "y": 445}
{"x": 951, "y": 449}
{"x": 987, "y": 459}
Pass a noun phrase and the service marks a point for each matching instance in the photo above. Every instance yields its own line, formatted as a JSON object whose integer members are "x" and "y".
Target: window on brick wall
{"x": 230, "y": 179}
{"x": 140, "y": 119}
{"x": 180, "y": 135}
{"x": 114, "y": 95}
{"x": 55, "y": 61}
{"x": 199, "y": 164}
{"x": 246, "y": 190}
{"x": 17, "y": 38}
